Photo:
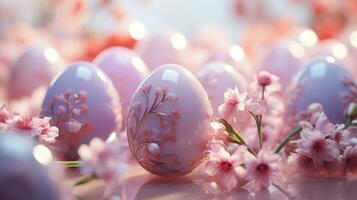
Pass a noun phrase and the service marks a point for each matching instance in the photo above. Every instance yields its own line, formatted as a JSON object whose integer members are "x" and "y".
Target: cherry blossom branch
{"x": 232, "y": 131}
{"x": 70, "y": 163}
{"x": 291, "y": 135}
{"x": 258, "y": 122}
{"x": 85, "y": 180}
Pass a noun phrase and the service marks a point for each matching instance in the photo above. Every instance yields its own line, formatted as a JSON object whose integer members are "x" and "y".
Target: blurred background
{"x": 190, "y": 33}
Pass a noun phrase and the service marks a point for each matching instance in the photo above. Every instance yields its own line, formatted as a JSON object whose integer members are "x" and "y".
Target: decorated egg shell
{"x": 36, "y": 67}
{"x": 23, "y": 171}
{"x": 125, "y": 69}
{"x": 82, "y": 103}
{"x": 161, "y": 47}
{"x": 168, "y": 122}
{"x": 326, "y": 82}
{"x": 283, "y": 60}
{"x": 217, "y": 78}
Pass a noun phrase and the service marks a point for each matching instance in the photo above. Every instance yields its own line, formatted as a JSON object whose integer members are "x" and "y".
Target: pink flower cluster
{"x": 232, "y": 166}
{"x": 236, "y": 102}
{"x": 238, "y": 105}
{"x": 31, "y": 126}
{"x": 106, "y": 160}
{"x": 324, "y": 148}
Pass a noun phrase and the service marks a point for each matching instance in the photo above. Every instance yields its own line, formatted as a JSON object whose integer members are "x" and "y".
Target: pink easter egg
{"x": 34, "y": 68}
{"x": 125, "y": 69}
{"x": 83, "y": 103}
{"x": 161, "y": 47}
{"x": 169, "y": 112}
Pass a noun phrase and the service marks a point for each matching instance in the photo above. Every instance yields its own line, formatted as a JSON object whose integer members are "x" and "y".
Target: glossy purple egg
{"x": 125, "y": 69}
{"x": 168, "y": 122}
{"x": 217, "y": 78}
{"x": 283, "y": 60}
{"x": 22, "y": 176}
{"x": 326, "y": 82}
{"x": 36, "y": 67}
{"x": 83, "y": 104}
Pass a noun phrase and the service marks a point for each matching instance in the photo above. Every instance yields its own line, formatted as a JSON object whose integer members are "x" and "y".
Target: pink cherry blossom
{"x": 47, "y": 133}
{"x": 318, "y": 119}
{"x": 234, "y": 102}
{"x": 30, "y": 126}
{"x": 225, "y": 168}
{"x": 302, "y": 163}
{"x": 349, "y": 160}
{"x": 264, "y": 170}
{"x": 265, "y": 78}
{"x": 105, "y": 159}
{"x": 317, "y": 146}
{"x": 4, "y": 114}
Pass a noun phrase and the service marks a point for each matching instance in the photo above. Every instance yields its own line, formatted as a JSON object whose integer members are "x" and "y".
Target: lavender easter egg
{"x": 22, "y": 176}
{"x": 326, "y": 82}
{"x": 82, "y": 103}
{"x": 283, "y": 60}
{"x": 217, "y": 78}
{"x": 168, "y": 122}
{"x": 125, "y": 69}
{"x": 35, "y": 67}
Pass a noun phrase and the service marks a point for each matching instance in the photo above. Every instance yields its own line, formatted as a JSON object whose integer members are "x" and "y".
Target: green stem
{"x": 260, "y": 134}
{"x": 259, "y": 128}
{"x": 260, "y": 123}
{"x": 290, "y": 136}
{"x": 348, "y": 123}
{"x": 70, "y": 163}
{"x": 85, "y": 180}
{"x": 232, "y": 131}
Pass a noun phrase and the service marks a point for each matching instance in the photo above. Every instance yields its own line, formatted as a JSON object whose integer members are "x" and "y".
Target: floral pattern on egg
{"x": 160, "y": 126}
{"x": 148, "y": 145}
{"x": 82, "y": 102}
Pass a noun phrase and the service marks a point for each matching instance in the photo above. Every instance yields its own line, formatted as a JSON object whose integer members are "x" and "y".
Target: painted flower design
{"x": 147, "y": 143}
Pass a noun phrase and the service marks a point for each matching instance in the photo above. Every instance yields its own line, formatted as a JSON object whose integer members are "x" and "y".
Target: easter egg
{"x": 23, "y": 170}
{"x": 82, "y": 103}
{"x": 161, "y": 47}
{"x": 283, "y": 60}
{"x": 169, "y": 112}
{"x": 217, "y": 78}
{"x": 35, "y": 67}
{"x": 326, "y": 82}
{"x": 125, "y": 69}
